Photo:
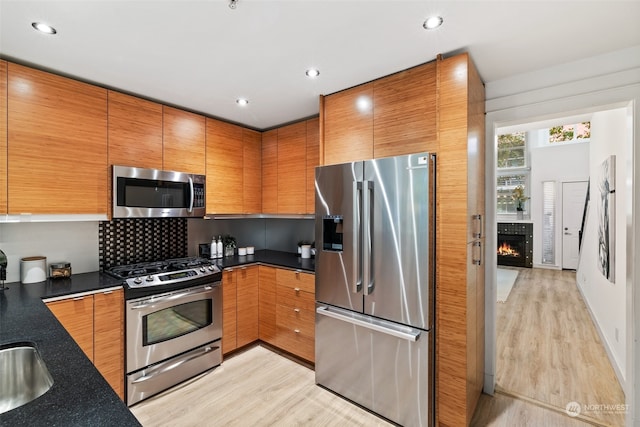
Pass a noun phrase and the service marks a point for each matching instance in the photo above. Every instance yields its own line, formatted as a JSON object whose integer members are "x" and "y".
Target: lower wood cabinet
{"x": 267, "y": 305}
{"x": 96, "y": 323}
{"x": 247, "y": 309}
{"x": 229, "y": 307}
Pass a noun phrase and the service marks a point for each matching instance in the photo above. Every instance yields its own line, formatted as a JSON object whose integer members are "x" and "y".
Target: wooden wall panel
{"x": 267, "y": 307}
{"x": 135, "y": 131}
{"x": 3, "y": 137}
{"x": 224, "y": 167}
{"x": 313, "y": 160}
{"x": 292, "y": 168}
{"x": 348, "y": 125}
{"x": 404, "y": 119}
{"x": 252, "y": 171}
{"x": 108, "y": 332}
{"x": 270, "y": 172}
{"x": 183, "y": 141}
{"x": 57, "y": 141}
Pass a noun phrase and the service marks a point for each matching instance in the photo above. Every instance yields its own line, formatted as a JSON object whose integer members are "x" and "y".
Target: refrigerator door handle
{"x": 398, "y": 331}
{"x": 367, "y": 237}
{"x": 357, "y": 240}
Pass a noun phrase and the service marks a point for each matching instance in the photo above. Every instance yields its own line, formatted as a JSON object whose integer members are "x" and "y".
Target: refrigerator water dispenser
{"x": 332, "y": 233}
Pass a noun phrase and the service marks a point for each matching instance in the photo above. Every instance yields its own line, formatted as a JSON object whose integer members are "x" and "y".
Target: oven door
{"x": 163, "y": 326}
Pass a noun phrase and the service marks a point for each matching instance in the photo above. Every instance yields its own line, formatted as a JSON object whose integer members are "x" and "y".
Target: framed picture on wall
{"x": 606, "y": 204}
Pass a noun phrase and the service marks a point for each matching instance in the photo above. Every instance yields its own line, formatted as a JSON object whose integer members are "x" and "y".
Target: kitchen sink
{"x": 23, "y": 375}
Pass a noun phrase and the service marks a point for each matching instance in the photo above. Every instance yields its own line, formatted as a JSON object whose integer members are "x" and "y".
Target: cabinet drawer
{"x": 297, "y": 343}
{"x": 296, "y": 299}
{"x": 296, "y": 279}
{"x": 296, "y": 319}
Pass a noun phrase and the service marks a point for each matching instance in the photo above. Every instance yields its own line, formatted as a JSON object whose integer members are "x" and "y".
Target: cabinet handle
{"x": 477, "y": 260}
{"x": 107, "y": 292}
{"x": 297, "y": 310}
{"x": 243, "y": 268}
{"x": 298, "y": 271}
{"x": 228, "y": 269}
{"x": 296, "y": 290}
{"x": 297, "y": 331}
{"x": 478, "y": 233}
{"x": 78, "y": 298}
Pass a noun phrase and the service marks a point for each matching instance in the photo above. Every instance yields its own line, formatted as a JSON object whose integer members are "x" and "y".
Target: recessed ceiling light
{"x": 43, "y": 28}
{"x": 312, "y": 72}
{"x": 432, "y": 22}
{"x": 242, "y": 101}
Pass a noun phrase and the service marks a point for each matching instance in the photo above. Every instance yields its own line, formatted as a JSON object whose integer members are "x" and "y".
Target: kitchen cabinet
{"x": 247, "y": 292}
{"x": 267, "y": 307}
{"x": 96, "y": 323}
{"x": 347, "y": 118}
{"x": 135, "y": 131}
{"x": 460, "y": 194}
{"x": 295, "y": 313}
{"x": 270, "y": 171}
{"x": 251, "y": 171}
{"x": 183, "y": 141}
{"x": 313, "y": 160}
{"x": 229, "y": 309}
{"x": 57, "y": 141}
{"x": 292, "y": 168}
{"x": 3, "y": 137}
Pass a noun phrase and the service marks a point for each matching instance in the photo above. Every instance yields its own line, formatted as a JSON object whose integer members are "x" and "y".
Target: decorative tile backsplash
{"x": 128, "y": 241}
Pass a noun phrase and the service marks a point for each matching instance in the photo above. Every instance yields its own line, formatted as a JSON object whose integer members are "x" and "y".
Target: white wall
{"x": 607, "y": 301}
{"x": 74, "y": 242}
{"x": 559, "y": 163}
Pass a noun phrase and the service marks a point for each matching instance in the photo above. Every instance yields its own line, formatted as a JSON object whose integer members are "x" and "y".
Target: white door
{"x": 573, "y": 198}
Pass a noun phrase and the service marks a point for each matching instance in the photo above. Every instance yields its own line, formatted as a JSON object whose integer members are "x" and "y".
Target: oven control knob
{"x": 137, "y": 280}
{"x": 149, "y": 279}
{"x": 202, "y": 269}
{"x": 211, "y": 268}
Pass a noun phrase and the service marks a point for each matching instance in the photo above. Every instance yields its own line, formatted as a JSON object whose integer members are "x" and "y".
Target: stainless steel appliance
{"x": 151, "y": 193}
{"x": 173, "y": 328}
{"x": 375, "y": 281}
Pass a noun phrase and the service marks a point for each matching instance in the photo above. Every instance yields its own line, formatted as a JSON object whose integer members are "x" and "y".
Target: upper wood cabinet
{"x": 135, "y": 131}
{"x": 57, "y": 141}
{"x": 347, "y": 118}
{"x": 3, "y": 137}
{"x": 224, "y": 167}
{"x": 292, "y": 168}
{"x": 270, "y": 172}
{"x": 313, "y": 160}
{"x": 404, "y": 112}
{"x": 251, "y": 171}
{"x": 183, "y": 141}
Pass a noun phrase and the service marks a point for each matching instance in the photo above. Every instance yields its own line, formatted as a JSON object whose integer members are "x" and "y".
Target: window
{"x": 578, "y": 132}
{"x": 513, "y": 170}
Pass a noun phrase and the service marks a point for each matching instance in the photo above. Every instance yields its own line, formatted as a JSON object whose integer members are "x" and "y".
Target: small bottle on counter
{"x": 219, "y": 247}
{"x": 213, "y": 248}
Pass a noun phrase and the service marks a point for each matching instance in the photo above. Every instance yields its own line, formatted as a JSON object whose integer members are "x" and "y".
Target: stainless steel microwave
{"x": 152, "y": 193}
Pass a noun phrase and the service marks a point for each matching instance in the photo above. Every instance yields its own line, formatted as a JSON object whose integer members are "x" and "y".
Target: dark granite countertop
{"x": 79, "y": 396}
{"x": 275, "y": 258}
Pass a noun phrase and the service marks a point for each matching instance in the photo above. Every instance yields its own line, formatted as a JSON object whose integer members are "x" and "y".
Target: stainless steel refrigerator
{"x": 375, "y": 278}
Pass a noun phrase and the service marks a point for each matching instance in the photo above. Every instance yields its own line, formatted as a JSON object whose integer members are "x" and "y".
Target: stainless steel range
{"x": 173, "y": 322}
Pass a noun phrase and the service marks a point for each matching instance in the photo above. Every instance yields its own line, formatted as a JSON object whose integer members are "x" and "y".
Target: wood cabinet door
{"x": 292, "y": 168}
{"x": 247, "y": 280}
{"x": 270, "y": 172}
{"x": 252, "y": 171}
{"x": 3, "y": 137}
{"x": 267, "y": 305}
{"x": 229, "y": 307}
{"x": 183, "y": 141}
{"x": 313, "y": 160}
{"x": 108, "y": 330}
{"x": 348, "y": 125}
{"x": 57, "y": 144}
{"x": 76, "y": 315}
{"x": 135, "y": 131}
{"x": 224, "y": 167}
{"x": 404, "y": 112}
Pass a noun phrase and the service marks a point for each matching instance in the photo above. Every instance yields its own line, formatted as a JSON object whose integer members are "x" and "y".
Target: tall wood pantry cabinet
{"x": 436, "y": 107}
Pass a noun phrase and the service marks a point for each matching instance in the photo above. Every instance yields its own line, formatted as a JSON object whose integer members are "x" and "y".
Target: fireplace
{"x": 515, "y": 244}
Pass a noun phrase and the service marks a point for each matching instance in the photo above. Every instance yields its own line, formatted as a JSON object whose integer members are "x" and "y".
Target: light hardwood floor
{"x": 548, "y": 349}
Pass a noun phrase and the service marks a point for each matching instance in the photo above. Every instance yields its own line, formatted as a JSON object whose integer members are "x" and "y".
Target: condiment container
{"x": 59, "y": 270}
{"x": 242, "y": 251}
{"x": 33, "y": 269}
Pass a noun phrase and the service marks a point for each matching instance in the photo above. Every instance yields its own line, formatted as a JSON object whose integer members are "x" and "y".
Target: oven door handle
{"x": 172, "y": 297}
{"x": 163, "y": 369}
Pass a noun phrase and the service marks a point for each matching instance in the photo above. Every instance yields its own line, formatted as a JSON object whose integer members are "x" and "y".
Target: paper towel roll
{"x": 33, "y": 269}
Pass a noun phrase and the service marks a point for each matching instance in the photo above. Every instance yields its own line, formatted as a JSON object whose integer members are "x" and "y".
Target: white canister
{"x": 33, "y": 269}
{"x": 242, "y": 251}
{"x": 250, "y": 250}
{"x": 306, "y": 251}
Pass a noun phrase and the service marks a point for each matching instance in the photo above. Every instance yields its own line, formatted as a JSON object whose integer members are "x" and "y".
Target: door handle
{"x": 567, "y": 234}
{"x": 357, "y": 234}
{"x": 163, "y": 369}
{"x": 398, "y": 331}
{"x": 367, "y": 238}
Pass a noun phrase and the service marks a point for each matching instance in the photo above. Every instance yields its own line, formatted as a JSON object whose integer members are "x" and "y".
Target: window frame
{"x": 524, "y": 170}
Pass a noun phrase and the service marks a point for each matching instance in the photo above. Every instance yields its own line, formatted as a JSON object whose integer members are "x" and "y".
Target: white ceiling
{"x": 202, "y": 55}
